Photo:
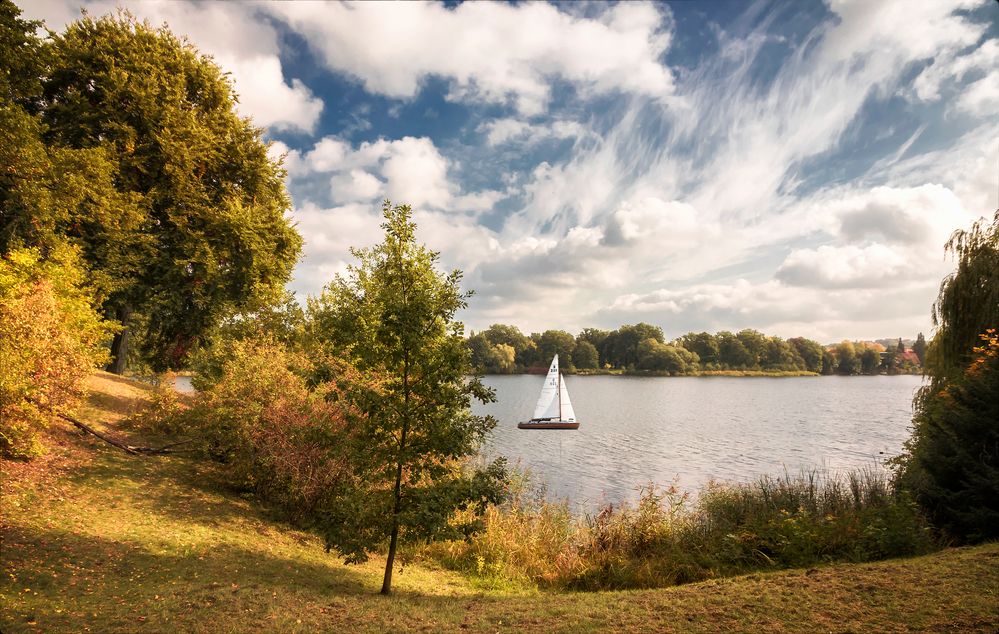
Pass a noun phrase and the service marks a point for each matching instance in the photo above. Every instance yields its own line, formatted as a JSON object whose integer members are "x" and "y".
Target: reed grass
{"x": 667, "y": 538}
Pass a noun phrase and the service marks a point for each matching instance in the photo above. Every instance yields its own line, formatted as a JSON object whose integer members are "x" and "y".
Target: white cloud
{"x": 329, "y": 234}
{"x": 327, "y": 155}
{"x": 409, "y": 170}
{"x": 417, "y": 173}
{"x": 479, "y": 201}
{"x": 665, "y": 223}
{"x": 907, "y": 30}
{"x": 922, "y": 216}
{"x": 234, "y": 35}
{"x": 949, "y": 65}
{"x": 826, "y": 315}
{"x": 355, "y": 185}
{"x": 490, "y": 52}
{"x": 981, "y": 97}
{"x": 847, "y": 266}
{"x": 500, "y": 131}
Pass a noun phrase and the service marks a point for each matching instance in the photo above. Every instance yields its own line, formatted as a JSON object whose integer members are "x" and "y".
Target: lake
{"x": 691, "y": 430}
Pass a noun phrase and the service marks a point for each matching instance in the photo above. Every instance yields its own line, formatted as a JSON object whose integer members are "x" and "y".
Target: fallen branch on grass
{"x": 131, "y": 449}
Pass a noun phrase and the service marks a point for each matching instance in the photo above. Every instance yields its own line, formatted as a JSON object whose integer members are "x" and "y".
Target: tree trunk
{"x": 397, "y": 506}
{"x": 119, "y": 345}
{"x": 390, "y": 561}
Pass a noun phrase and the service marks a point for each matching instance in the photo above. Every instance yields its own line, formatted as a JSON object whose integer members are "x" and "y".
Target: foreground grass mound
{"x": 96, "y": 540}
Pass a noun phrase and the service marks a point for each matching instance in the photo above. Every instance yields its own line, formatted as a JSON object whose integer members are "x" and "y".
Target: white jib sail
{"x": 547, "y": 406}
{"x": 567, "y": 413}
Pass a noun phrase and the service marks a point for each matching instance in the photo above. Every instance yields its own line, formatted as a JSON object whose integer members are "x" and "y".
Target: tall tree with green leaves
{"x": 585, "y": 356}
{"x": 206, "y": 235}
{"x": 951, "y": 462}
{"x": 919, "y": 347}
{"x": 557, "y": 342}
{"x": 704, "y": 344}
{"x": 968, "y": 302}
{"x": 809, "y": 351}
{"x": 393, "y": 316}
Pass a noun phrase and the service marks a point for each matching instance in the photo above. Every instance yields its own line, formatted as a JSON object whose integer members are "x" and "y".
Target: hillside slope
{"x": 96, "y": 540}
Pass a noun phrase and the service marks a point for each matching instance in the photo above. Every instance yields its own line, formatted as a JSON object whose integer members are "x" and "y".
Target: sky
{"x": 794, "y": 167}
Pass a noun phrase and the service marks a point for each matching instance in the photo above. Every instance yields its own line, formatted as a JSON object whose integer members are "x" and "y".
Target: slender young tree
{"x": 393, "y": 315}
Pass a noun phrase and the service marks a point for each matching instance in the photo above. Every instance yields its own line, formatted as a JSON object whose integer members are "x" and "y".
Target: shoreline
{"x": 703, "y": 373}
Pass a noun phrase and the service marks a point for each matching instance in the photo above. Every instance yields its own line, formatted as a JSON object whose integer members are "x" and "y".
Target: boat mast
{"x": 559, "y": 392}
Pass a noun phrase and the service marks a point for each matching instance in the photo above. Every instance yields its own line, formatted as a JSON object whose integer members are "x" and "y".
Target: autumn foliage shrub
{"x": 164, "y": 414}
{"x": 273, "y": 433}
{"x": 51, "y": 339}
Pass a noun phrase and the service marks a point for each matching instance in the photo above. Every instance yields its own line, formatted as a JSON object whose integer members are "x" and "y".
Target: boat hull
{"x": 547, "y": 424}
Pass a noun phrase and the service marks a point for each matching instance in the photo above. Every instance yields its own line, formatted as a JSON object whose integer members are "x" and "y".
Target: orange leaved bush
{"x": 51, "y": 339}
{"x": 275, "y": 433}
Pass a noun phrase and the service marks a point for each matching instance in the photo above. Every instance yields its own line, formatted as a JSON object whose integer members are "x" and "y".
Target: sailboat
{"x": 554, "y": 409}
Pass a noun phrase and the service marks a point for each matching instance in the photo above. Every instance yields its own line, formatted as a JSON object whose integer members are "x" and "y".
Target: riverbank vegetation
{"x": 97, "y": 540}
{"x": 642, "y": 349}
{"x": 668, "y": 539}
{"x": 951, "y": 462}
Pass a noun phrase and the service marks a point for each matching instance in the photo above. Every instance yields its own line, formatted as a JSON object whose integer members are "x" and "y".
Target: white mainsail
{"x": 547, "y": 406}
{"x": 554, "y": 401}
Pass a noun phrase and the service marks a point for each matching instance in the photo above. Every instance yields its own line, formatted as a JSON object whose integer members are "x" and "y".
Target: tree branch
{"x": 130, "y": 449}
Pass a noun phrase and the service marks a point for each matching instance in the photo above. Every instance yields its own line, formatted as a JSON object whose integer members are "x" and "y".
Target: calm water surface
{"x": 637, "y": 430}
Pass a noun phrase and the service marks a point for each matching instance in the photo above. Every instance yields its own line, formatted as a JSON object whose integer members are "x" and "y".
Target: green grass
{"x": 96, "y": 540}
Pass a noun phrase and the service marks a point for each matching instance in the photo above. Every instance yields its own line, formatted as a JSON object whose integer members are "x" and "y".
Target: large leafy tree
{"x": 49, "y": 192}
{"x": 393, "y": 315}
{"x": 585, "y": 356}
{"x": 951, "y": 463}
{"x": 704, "y": 344}
{"x": 968, "y": 302}
{"x": 620, "y": 347}
{"x": 809, "y": 351}
{"x": 193, "y": 226}
{"x": 558, "y": 342}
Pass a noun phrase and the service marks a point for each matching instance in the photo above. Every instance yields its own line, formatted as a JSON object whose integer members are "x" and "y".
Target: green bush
{"x": 952, "y": 460}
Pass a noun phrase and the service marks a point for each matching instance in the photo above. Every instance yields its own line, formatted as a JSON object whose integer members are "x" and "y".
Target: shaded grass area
{"x": 105, "y": 542}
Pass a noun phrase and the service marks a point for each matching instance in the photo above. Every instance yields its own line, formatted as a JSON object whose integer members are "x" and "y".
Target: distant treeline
{"x": 642, "y": 349}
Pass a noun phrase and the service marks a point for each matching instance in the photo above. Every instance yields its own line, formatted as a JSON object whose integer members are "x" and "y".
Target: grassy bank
{"x": 95, "y": 540}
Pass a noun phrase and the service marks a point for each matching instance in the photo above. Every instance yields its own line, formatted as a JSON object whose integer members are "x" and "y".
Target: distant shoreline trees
{"x": 643, "y": 349}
